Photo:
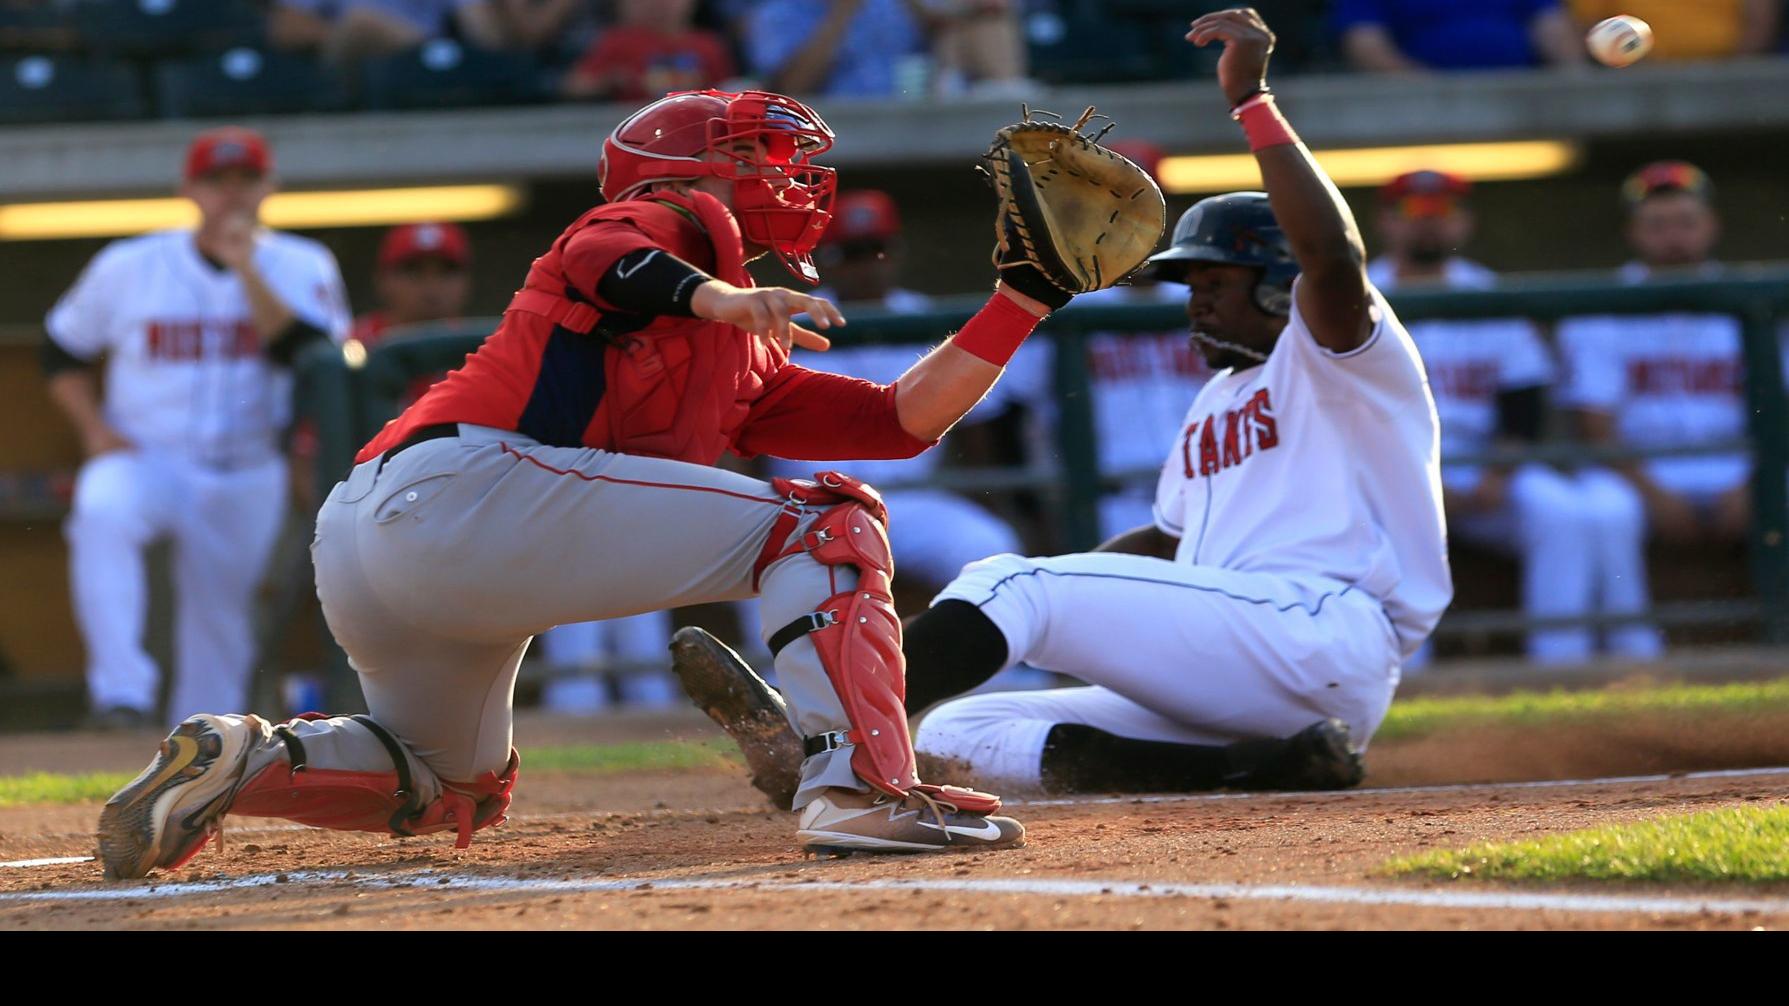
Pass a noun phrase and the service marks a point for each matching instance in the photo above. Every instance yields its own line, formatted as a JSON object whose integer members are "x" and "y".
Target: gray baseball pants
{"x": 437, "y": 568}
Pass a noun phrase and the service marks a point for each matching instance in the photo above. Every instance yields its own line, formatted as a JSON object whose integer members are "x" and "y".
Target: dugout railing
{"x": 349, "y": 394}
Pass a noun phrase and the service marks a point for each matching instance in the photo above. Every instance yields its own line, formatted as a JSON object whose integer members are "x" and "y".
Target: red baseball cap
{"x": 228, "y": 147}
{"x": 1425, "y": 193}
{"x": 425, "y": 240}
{"x": 1666, "y": 176}
{"x": 863, "y": 215}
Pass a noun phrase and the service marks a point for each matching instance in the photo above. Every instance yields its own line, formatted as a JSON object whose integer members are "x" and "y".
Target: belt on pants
{"x": 436, "y": 431}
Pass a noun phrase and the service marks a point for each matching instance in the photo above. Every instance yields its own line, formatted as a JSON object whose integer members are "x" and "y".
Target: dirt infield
{"x": 700, "y": 850}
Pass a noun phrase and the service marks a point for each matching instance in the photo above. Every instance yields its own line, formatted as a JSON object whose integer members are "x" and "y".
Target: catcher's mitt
{"x": 1074, "y": 217}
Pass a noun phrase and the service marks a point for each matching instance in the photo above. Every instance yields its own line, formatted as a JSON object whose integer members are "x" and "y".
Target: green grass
{"x": 1422, "y": 716}
{"x": 1738, "y": 845}
{"x": 56, "y": 787}
{"x": 576, "y": 759}
{"x": 613, "y": 759}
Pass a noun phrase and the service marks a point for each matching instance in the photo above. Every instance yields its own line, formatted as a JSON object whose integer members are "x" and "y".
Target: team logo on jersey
{"x": 1677, "y": 375}
{"x": 197, "y": 339}
{"x": 1231, "y": 437}
{"x": 1473, "y": 380}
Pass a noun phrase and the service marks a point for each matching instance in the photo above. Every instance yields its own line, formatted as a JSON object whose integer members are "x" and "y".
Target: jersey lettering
{"x": 1668, "y": 375}
{"x": 188, "y": 340}
{"x": 1474, "y": 381}
{"x": 1246, "y": 430}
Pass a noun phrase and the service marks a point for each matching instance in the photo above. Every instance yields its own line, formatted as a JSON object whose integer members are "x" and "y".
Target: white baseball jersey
{"x": 1319, "y": 463}
{"x": 186, "y": 371}
{"x": 1469, "y": 363}
{"x": 1669, "y": 380}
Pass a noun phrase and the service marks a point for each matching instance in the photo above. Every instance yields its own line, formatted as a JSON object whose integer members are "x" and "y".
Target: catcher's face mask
{"x": 761, "y": 142}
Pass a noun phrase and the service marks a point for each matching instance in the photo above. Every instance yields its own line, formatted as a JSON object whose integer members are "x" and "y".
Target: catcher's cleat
{"x": 1321, "y": 756}
{"x": 841, "y": 822}
{"x": 753, "y": 714}
{"x": 167, "y": 814}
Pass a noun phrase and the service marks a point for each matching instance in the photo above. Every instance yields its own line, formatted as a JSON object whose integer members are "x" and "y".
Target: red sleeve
{"x": 815, "y": 416}
{"x": 592, "y": 251}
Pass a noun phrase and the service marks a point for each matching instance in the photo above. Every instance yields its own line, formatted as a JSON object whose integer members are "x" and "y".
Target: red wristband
{"x": 996, "y": 331}
{"x": 1262, "y": 123}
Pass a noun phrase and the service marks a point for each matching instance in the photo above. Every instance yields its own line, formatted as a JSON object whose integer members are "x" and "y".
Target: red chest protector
{"x": 681, "y": 387}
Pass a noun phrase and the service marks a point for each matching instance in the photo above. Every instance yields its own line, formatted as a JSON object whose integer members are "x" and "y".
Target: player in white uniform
{"x": 1140, "y": 382}
{"x": 1298, "y": 549}
{"x": 1667, "y": 380}
{"x": 197, "y": 330}
{"x": 1490, "y": 379}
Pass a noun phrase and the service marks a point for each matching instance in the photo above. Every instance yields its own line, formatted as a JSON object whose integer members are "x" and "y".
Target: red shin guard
{"x": 856, "y": 633}
{"x": 376, "y": 801}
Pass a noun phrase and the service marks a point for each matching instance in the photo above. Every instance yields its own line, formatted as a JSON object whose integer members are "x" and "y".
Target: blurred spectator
{"x": 1490, "y": 381}
{"x": 978, "y": 47}
{"x": 1707, "y": 29}
{"x": 1670, "y": 380}
{"x": 344, "y": 31}
{"x": 835, "y": 48}
{"x": 423, "y": 274}
{"x": 1407, "y": 36}
{"x": 543, "y": 24}
{"x": 652, "y": 50}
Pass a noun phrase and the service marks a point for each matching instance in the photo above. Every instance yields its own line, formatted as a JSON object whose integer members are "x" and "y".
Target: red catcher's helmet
{"x": 762, "y": 142}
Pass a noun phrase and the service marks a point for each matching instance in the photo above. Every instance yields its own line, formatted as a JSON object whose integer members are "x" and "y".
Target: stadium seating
{"x": 146, "y": 28}
{"x": 246, "y": 81}
{"x": 65, "y": 89}
{"x": 443, "y": 73}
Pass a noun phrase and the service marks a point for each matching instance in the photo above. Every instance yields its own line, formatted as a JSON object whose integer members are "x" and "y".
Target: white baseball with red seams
{"x": 189, "y": 384}
{"x": 1306, "y": 496}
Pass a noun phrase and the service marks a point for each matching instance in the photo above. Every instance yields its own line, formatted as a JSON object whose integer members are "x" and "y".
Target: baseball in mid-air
{"x": 1619, "y": 41}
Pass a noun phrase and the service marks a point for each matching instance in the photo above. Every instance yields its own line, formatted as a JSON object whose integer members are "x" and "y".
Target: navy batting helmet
{"x": 1237, "y": 228}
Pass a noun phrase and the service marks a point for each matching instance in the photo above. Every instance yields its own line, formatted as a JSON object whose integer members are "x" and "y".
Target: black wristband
{"x": 288, "y": 344}
{"x": 1026, "y": 279}
{"x": 55, "y": 359}
{"x": 652, "y": 281}
{"x": 1238, "y": 103}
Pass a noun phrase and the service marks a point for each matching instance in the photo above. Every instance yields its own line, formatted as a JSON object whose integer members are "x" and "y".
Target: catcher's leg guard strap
{"x": 384, "y": 802}
{"x": 858, "y": 640}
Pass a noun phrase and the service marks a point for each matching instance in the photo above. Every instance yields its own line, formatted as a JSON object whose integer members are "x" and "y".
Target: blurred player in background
{"x": 1672, "y": 380}
{"x": 424, "y": 274}
{"x": 197, "y": 330}
{"x": 1490, "y": 380}
{"x": 1141, "y": 382}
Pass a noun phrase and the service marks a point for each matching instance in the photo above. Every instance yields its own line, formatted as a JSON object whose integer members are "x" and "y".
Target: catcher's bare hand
{"x": 766, "y": 312}
{"x": 1248, "y": 43}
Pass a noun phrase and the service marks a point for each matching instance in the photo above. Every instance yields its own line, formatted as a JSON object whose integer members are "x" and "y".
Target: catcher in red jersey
{"x": 565, "y": 473}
